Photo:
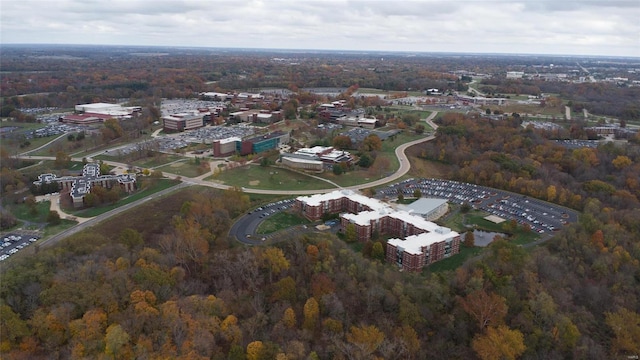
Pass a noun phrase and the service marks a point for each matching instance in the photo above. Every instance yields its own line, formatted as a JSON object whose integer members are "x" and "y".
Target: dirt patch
{"x": 254, "y": 182}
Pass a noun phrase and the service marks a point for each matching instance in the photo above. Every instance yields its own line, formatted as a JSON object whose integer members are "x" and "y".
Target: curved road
{"x": 402, "y": 170}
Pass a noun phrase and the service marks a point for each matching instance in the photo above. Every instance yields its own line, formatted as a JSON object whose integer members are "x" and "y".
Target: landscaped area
{"x": 454, "y": 261}
{"x": 461, "y": 222}
{"x": 270, "y": 178}
{"x": 186, "y": 167}
{"x": 280, "y": 221}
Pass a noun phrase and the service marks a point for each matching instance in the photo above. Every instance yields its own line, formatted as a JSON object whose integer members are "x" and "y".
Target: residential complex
{"x": 416, "y": 243}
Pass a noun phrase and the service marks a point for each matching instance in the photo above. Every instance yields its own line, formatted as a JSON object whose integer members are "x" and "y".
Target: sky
{"x": 562, "y": 27}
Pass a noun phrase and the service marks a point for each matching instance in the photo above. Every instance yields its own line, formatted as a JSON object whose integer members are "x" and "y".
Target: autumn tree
{"x": 372, "y": 143}
{"x": 469, "y": 239}
{"x": 274, "y": 261}
{"x": 12, "y": 328}
{"x": 289, "y": 318}
{"x": 621, "y": 162}
{"x": 625, "y": 325}
{"x": 342, "y": 142}
{"x": 498, "y": 343}
{"x": 311, "y": 312}
{"x": 366, "y": 339}
{"x": 115, "y": 340}
{"x": 254, "y": 350}
{"x": 377, "y": 251}
{"x": 89, "y": 332}
{"x": 350, "y": 234}
{"x": 486, "y": 309}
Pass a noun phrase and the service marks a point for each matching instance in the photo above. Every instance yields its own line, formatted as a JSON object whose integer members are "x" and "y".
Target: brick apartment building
{"x": 416, "y": 243}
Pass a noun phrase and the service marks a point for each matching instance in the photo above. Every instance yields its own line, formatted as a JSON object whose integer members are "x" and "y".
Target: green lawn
{"x": 159, "y": 185}
{"x": 280, "y": 221}
{"x": 51, "y": 230}
{"x": 454, "y": 261}
{"x": 22, "y": 212}
{"x": 271, "y": 178}
{"x": 186, "y": 168}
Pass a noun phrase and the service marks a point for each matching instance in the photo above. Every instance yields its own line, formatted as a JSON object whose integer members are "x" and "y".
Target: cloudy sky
{"x": 572, "y": 27}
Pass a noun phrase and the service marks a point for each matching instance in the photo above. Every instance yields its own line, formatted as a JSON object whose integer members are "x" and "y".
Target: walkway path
{"x": 404, "y": 168}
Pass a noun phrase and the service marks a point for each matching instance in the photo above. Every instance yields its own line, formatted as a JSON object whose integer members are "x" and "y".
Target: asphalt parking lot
{"x": 12, "y": 243}
{"x": 540, "y": 215}
{"x": 245, "y": 228}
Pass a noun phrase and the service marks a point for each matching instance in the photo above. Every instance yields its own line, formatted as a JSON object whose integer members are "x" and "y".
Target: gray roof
{"x": 425, "y": 205}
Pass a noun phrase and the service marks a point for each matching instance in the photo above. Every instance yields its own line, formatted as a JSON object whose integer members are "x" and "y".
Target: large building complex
{"x": 416, "y": 243}
{"x": 86, "y": 114}
{"x": 79, "y": 186}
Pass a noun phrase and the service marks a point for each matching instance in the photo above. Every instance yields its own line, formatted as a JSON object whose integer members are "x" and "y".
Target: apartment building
{"x": 416, "y": 243}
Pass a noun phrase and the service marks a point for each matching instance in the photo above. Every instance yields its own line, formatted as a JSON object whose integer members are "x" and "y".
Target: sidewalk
{"x": 55, "y": 206}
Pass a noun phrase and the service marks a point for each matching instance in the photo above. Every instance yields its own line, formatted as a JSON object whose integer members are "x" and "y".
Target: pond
{"x": 484, "y": 238}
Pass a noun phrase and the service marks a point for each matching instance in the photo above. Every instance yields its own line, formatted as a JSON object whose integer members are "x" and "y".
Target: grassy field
{"x": 454, "y": 261}
{"x": 22, "y": 212}
{"x": 51, "y": 230}
{"x": 280, "y": 221}
{"x": 158, "y": 186}
{"x": 259, "y": 177}
{"x": 186, "y": 168}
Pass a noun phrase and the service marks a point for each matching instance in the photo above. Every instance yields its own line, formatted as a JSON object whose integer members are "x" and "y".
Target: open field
{"x": 186, "y": 168}
{"x": 259, "y": 177}
{"x": 558, "y": 112}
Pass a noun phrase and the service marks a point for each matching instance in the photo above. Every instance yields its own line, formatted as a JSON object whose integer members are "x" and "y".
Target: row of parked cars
{"x": 273, "y": 207}
{"x": 13, "y": 243}
{"x": 541, "y": 216}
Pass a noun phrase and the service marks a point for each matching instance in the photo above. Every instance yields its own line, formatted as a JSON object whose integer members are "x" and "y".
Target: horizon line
{"x": 303, "y": 50}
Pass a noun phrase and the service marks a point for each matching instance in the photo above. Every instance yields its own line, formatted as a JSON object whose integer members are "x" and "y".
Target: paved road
{"x": 95, "y": 220}
{"x": 402, "y": 157}
{"x": 246, "y": 223}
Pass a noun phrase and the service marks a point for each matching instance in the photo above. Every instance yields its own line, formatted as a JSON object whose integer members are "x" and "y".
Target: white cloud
{"x": 592, "y": 27}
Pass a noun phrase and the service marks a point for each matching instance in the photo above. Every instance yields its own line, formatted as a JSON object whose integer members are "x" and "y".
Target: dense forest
{"x": 170, "y": 284}
{"x": 502, "y": 154}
